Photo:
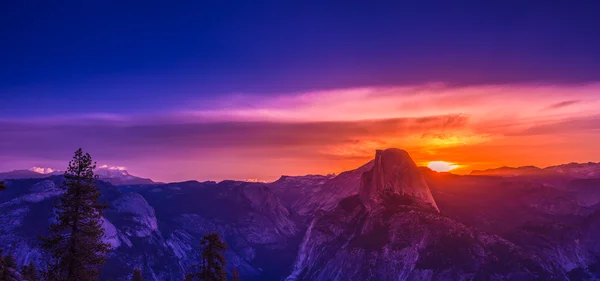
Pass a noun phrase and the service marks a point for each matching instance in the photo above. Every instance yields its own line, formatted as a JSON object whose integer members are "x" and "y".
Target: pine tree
{"x": 9, "y": 267}
{"x": 236, "y": 275}
{"x": 9, "y": 261}
{"x": 213, "y": 263}
{"x": 75, "y": 240}
{"x": 29, "y": 272}
{"x": 137, "y": 275}
{"x": 2, "y": 186}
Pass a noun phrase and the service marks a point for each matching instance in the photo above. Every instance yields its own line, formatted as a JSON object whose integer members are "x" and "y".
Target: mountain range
{"x": 114, "y": 175}
{"x": 385, "y": 220}
{"x": 588, "y": 170}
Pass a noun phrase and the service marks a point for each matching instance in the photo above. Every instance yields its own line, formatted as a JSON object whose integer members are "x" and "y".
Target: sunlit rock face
{"x": 394, "y": 173}
{"x": 392, "y": 230}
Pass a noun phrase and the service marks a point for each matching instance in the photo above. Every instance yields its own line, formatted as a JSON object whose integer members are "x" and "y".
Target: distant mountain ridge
{"x": 113, "y": 175}
{"x": 575, "y": 170}
{"x": 120, "y": 176}
{"x": 22, "y": 174}
{"x": 386, "y": 220}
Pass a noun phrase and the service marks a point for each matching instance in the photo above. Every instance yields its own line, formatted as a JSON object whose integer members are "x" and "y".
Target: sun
{"x": 442, "y": 166}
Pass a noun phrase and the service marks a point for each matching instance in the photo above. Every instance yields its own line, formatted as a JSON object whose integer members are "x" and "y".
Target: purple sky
{"x": 210, "y": 91}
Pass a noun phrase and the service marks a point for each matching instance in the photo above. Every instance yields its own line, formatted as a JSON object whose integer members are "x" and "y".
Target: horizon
{"x": 455, "y": 171}
{"x": 216, "y": 91}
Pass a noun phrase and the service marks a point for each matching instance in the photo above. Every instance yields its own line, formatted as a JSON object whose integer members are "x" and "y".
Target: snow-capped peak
{"x": 113, "y": 168}
{"x": 41, "y": 170}
{"x": 118, "y": 175}
{"x": 112, "y": 172}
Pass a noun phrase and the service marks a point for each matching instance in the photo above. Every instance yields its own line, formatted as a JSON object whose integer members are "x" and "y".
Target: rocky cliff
{"x": 392, "y": 230}
{"x": 386, "y": 220}
{"x": 158, "y": 228}
{"x": 394, "y": 174}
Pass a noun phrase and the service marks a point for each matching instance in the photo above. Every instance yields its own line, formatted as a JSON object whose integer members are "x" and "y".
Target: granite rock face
{"x": 158, "y": 227}
{"x": 305, "y": 195}
{"x": 392, "y": 230}
{"x": 401, "y": 242}
{"x": 394, "y": 173}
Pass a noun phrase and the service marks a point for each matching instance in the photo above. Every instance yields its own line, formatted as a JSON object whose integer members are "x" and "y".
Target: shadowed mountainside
{"x": 385, "y": 220}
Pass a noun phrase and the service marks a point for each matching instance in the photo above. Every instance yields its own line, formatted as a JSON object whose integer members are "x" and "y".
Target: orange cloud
{"x": 475, "y": 127}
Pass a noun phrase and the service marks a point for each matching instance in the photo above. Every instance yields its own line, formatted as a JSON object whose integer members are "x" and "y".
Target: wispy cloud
{"x": 493, "y": 101}
{"x": 562, "y": 104}
{"x": 323, "y": 131}
{"x": 565, "y": 127}
{"x": 239, "y": 144}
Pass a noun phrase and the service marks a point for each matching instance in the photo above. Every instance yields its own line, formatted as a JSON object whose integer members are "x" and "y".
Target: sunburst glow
{"x": 442, "y": 166}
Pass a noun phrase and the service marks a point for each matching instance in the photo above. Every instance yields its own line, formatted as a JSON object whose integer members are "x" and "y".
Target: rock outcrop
{"x": 377, "y": 222}
{"x": 158, "y": 227}
{"x": 307, "y": 194}
{"x": 394, "y": 173}
{"x": 392, "y": 230}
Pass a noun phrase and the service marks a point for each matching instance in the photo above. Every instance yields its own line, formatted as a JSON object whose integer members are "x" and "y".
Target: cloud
{"x": 589, "y": 124}
{"x": 128, "y": 139}
{"x": 232, "y": 145}
{"x": 438, "y": 140}
{"x": 562, "y": 104}
{"x": 319, "y": 131}
{"x": 41, "y": 170}
{"x": 482, "y": 102}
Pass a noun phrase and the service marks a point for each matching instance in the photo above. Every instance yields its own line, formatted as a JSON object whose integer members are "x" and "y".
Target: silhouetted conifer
{"x": 137, "y": 275}
{"x": 9, "y": 268}
{"x": 29, "y": 272}
{"x": 213, "y": 263}
{"x": 9, "y": 261}
{"x": 75, "y": 240}
{"x": 2, "y": 186}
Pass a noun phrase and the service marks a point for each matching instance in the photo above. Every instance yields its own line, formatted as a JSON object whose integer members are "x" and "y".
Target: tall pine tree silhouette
{"x": 2, "y": 186}
{"x": 213, "y": 263}
{"x": 75, "y": 240}
{"x": 9, "y": 269}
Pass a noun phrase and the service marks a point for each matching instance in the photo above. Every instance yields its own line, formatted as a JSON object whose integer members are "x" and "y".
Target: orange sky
{"x": 330, "y": 131}
{"x": 475, "y": 127}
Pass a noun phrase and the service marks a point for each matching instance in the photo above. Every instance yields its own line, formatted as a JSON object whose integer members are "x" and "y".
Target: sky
{"x": 213, "y": 90}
